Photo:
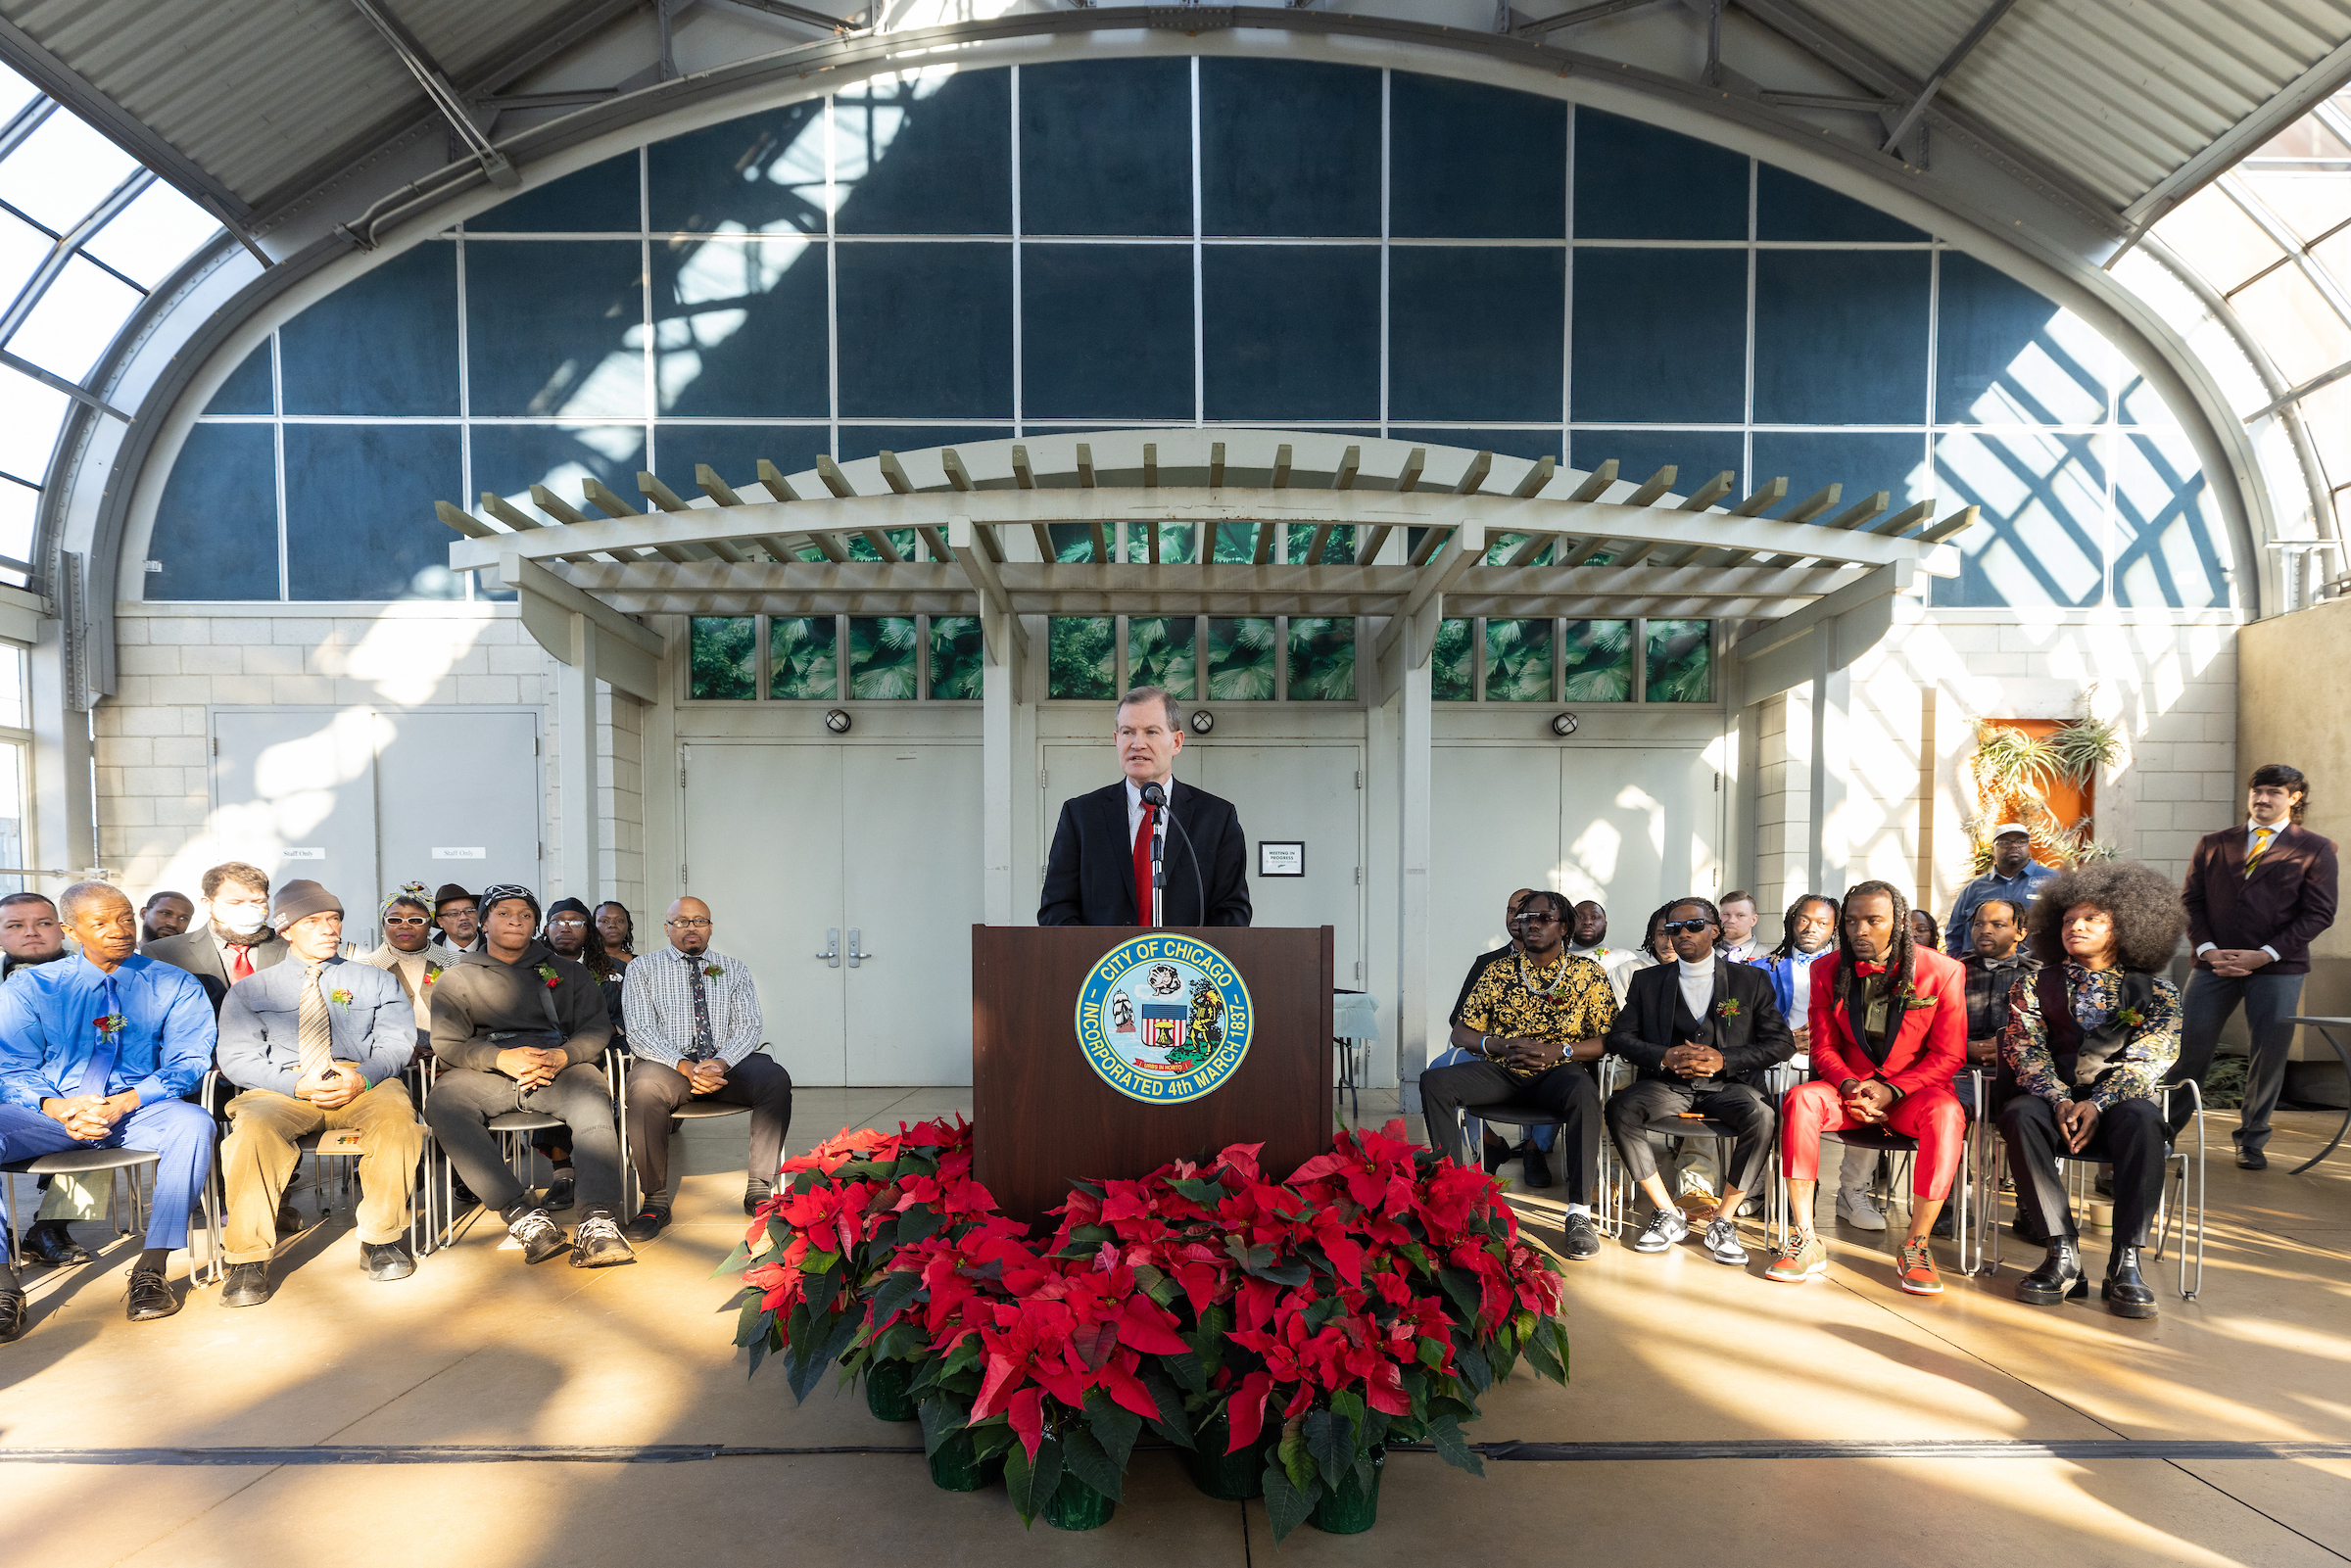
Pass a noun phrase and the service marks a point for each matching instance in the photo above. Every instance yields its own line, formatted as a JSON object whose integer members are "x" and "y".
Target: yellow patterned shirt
{"x": 1567, "y": 999}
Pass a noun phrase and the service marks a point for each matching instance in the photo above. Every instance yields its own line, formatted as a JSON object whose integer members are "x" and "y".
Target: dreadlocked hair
{"x": 1796, "y": 911}
{"x": 1901, "y": 964}
{"x": 1648, "y": 933}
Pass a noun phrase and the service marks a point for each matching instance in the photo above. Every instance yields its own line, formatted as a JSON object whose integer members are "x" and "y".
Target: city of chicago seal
{"x": 1164, "y": 1018}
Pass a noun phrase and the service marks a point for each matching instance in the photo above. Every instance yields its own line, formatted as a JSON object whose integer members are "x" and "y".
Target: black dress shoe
{"x": 53, "y": 1246}
{"x": 1537, "y": 1167}
{"x": 1944, "y": 1226}
{"x": 561, "y": 1193}
{"x": 246, "y": 1285}
{"x": 150, "y": 1296}
{"x": 2126, "y": 1294}
{"x": 289, "y": 1219}
{"x": 1497, "y": 1155}
{"x": 755, "y": 1193}
{"x": 2059, "y": 1276}
{"x": 649, "y": 1222}
{"x": 2252, "y": 1160}
{"x": 1582, "y": 1240}
{"x": 388, "y": 1260}
{"x": 13, "y": 1315}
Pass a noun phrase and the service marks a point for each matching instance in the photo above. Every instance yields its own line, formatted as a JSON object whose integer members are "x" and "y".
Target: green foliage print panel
{"x": 726, "y": 659}
{"x": 800, "y": 657}
{"x": 1599, "y": 661}
{"x": 955, "y": 658}
{"x": 882, "y": 657}
{"x": 1240, "y": 658}
{"x": 1337, "y": 551}
{"x": 1322, "y": 660}
{"x": 1082, "y": 664}
{"x": 1161, "y": 653}
{"x": 1681, "y": 661}
{"x": 1449, "y": 664}
{"x": 903, "y": 540}
{"x": 1518, "y": 661}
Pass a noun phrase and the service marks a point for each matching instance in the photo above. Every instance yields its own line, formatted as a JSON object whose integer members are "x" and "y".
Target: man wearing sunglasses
{"x": 408, "y": 951}
{"x": 1698, "y": 1031}
{"x": 1533, "y": 1022}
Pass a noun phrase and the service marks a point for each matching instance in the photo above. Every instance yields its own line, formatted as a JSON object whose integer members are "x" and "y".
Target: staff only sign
{"x": 1164, "y": 1018}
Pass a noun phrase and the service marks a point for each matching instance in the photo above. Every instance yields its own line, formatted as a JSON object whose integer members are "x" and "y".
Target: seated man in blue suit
{"x": 95, "y": 1053}
{"x": 317, "y": 1044}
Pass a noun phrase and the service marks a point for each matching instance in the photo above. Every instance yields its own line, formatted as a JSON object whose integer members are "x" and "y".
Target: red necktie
{"x": 1142, "y": 865}
{"x": 240, "y": 962}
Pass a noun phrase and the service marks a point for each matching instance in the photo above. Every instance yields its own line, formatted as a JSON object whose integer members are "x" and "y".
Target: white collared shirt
{"x": 1799, "y": 987}
{"x": 1135, "y": 825}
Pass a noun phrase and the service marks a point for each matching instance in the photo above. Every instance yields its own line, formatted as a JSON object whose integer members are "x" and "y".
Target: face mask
{"x": 242, "y": 919}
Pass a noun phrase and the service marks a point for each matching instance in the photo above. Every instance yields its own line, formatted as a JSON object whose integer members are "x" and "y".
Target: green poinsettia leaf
{"x": 894, "y": 1292}
{"x": 1115, "y": 1426}
{"x": 1287, "y": 1506}
{"x": 940, "y": 1420}
{"x": 1330, "y": 1443}
{"x": 1444, "y": 1435}
{"x": 1085, "y": 1459}
{"x": 1031, "y": 1482}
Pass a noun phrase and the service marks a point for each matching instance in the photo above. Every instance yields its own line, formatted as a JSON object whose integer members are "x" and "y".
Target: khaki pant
{"x": 258, "y": 1156}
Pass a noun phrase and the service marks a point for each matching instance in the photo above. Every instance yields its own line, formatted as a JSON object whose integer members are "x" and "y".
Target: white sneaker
{"x": 1858, "y": 1211}
{"x": 1663, "y": 1231}
{"x": 1722, "y": 1243}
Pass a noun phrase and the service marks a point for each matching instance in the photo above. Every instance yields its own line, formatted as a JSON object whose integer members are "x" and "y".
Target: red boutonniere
{"x": 547, "y": 973}
{"x": 108, "y": 1024}
{"x": 2130, "y": 1017}
{"x": 712, "y": 971}
{"x": 1727, "y": 1007}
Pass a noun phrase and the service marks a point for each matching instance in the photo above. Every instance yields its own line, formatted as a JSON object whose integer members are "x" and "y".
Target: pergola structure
{"x": 1435, "y": 532}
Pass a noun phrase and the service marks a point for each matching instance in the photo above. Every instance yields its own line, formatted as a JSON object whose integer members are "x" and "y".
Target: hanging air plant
{"x": 2083, "y": 746}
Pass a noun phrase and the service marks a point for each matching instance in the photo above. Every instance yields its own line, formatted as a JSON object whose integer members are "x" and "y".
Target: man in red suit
{"x": 1888, "y": 1023}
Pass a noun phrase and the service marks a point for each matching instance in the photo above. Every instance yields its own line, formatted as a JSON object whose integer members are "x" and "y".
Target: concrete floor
{"x": 476, "y": 1350}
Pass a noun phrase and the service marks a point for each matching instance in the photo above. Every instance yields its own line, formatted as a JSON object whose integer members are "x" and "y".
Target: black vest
{"x": 2084, "y": 1058}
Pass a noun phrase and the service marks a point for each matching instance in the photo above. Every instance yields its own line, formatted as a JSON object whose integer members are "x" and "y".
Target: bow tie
{"x": 1862, "y": 965}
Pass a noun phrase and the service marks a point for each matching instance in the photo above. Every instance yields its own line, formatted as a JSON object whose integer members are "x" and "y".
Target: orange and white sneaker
{"x": 1917, "y": 1274}
{"x": 1802, "y": 1257}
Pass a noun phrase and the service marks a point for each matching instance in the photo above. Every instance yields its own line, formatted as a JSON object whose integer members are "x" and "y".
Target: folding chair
{"x": 514, "y": 1129}
{"x": 2182, "y": 1192}
{"x": 696, "y": 1110}
{"x": 129, "y": 1219}
{"x": 1963, "y": 1226}
{"x": 1778, "y": 1079}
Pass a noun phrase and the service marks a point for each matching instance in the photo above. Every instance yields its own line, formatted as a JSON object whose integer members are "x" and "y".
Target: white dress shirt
{"x": 1800, "y": 986}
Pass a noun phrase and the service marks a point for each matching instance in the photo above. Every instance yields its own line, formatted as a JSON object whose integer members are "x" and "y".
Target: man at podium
{"x": 1113, "y": 860}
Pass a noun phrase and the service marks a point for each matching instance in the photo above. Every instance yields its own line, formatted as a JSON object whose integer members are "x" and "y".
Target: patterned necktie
{"x": 2261, "y": 847}
{"x": 315, "y": 1039}
{"x": 1142, "y": 865}
{"x": 704, "y": 1045}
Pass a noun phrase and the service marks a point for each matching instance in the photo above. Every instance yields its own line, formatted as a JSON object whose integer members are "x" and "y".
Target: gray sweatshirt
{"x": 480, "y": 996}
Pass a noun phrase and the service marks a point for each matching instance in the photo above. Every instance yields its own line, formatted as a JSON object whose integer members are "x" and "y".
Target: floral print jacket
{"x": 2147, "y": 1052}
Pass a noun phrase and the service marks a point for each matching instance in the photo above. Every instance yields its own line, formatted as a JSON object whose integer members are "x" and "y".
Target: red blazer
{"x": 1930, "y": 1046}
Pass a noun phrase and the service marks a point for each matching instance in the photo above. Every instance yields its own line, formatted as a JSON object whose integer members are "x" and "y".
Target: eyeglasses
{"x": 404, "y": 920}
{"x": 1542, "y": 916}
{"x": 691, "y": 925}
{"x": 574, "y": 923}
{"x": 1674, "y": 927}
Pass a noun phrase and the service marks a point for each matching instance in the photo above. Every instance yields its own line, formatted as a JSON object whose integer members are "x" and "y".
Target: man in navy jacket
{"x": 1114, "y": 845}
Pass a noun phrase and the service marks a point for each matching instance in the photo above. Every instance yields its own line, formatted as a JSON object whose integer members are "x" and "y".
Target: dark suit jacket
{"x": 1752, "y": 1038}
{"x": 194, "y": 950}
{"x": 1478, "y": 965}
{"x": 1090, "y": 877}
{"x": 2287, "y": 901}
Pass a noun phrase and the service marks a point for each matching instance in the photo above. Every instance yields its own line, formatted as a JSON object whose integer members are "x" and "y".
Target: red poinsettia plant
{"x": 1366, "y": 1301}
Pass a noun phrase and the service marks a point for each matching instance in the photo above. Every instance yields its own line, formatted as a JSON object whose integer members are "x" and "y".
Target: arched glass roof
{"x": 2272, "y": 237}
{"x": 86, "y": 232}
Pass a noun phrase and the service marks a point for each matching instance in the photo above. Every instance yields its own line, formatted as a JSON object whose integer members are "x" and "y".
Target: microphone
{"x": 1154, "y": 795}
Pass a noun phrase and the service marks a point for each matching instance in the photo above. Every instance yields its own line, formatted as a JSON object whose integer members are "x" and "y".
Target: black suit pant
{"x": 1653, "y": 1101}
{"x": 1568, "y": 1091}
{"x": 2130, "y": 1132}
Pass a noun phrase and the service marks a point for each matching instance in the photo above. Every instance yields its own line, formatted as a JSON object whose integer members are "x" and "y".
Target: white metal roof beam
{"x": 1917, "y": 108}
{"x": 1600, "y": 11}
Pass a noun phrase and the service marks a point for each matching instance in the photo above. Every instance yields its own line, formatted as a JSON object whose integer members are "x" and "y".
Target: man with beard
{"x": 694, "y": 1027}
{"x": 457, "y": 920}
{"x": 31, "y": 935}
{"x": 165, "y": 915}
{"x": 236, "y": 941}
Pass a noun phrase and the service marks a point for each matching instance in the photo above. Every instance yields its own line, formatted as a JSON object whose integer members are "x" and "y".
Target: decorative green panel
{"x": 724, "y": 665}
{"x": 1236, "y": 542}
{"x": 1681, "y": 661}
{"x": 882, "y": 657}
{"x": 800, "y": 658}
{"x": 1083, "y": 662}
{"x": 1322, "y": 660}
{"x": 1160, "y": 652}
{"x": 904, "y": 540}
{"x": 1074, "y": 542}
{"x": 1449, "y": 664}
{"x": 1174, "y": 541}
{"x": 1503, "y": 545}
{"x": 1240, "y": 658}
{"x": 1338, "y": 550}
{"x": 955, "y": 658}
{"x": 1518, "y": 661}
{"x": 1599, "y": 661}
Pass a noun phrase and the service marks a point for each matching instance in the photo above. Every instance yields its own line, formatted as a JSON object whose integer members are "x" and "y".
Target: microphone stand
{"x": 1159, "y": 879}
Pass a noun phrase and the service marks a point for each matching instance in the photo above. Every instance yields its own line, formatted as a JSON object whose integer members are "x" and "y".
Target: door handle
{"x": 855, "y": 956}
{"x": 831, "y": 953}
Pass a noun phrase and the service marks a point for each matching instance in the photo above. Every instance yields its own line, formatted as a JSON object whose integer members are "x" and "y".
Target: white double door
{"x": 1304, "y": 792}
{"x": 848, "y": 877}
{"x": 1630, "y": 826}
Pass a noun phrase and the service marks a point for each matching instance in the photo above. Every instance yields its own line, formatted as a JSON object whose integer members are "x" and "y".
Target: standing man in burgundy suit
{"x": 2257, "y": 895}
{"x": 1114, "y": 862}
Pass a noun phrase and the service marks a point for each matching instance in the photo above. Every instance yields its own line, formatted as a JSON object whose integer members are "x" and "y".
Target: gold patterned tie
{"x": 2261, "y": 847}
{"x": 316, "y": 1040}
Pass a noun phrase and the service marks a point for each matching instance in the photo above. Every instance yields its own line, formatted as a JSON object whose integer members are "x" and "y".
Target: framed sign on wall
{"x": 1277, "y": 857}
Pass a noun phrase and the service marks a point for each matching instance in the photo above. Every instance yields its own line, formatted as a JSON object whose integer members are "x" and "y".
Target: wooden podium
{"x": 1042, "y": 1114}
